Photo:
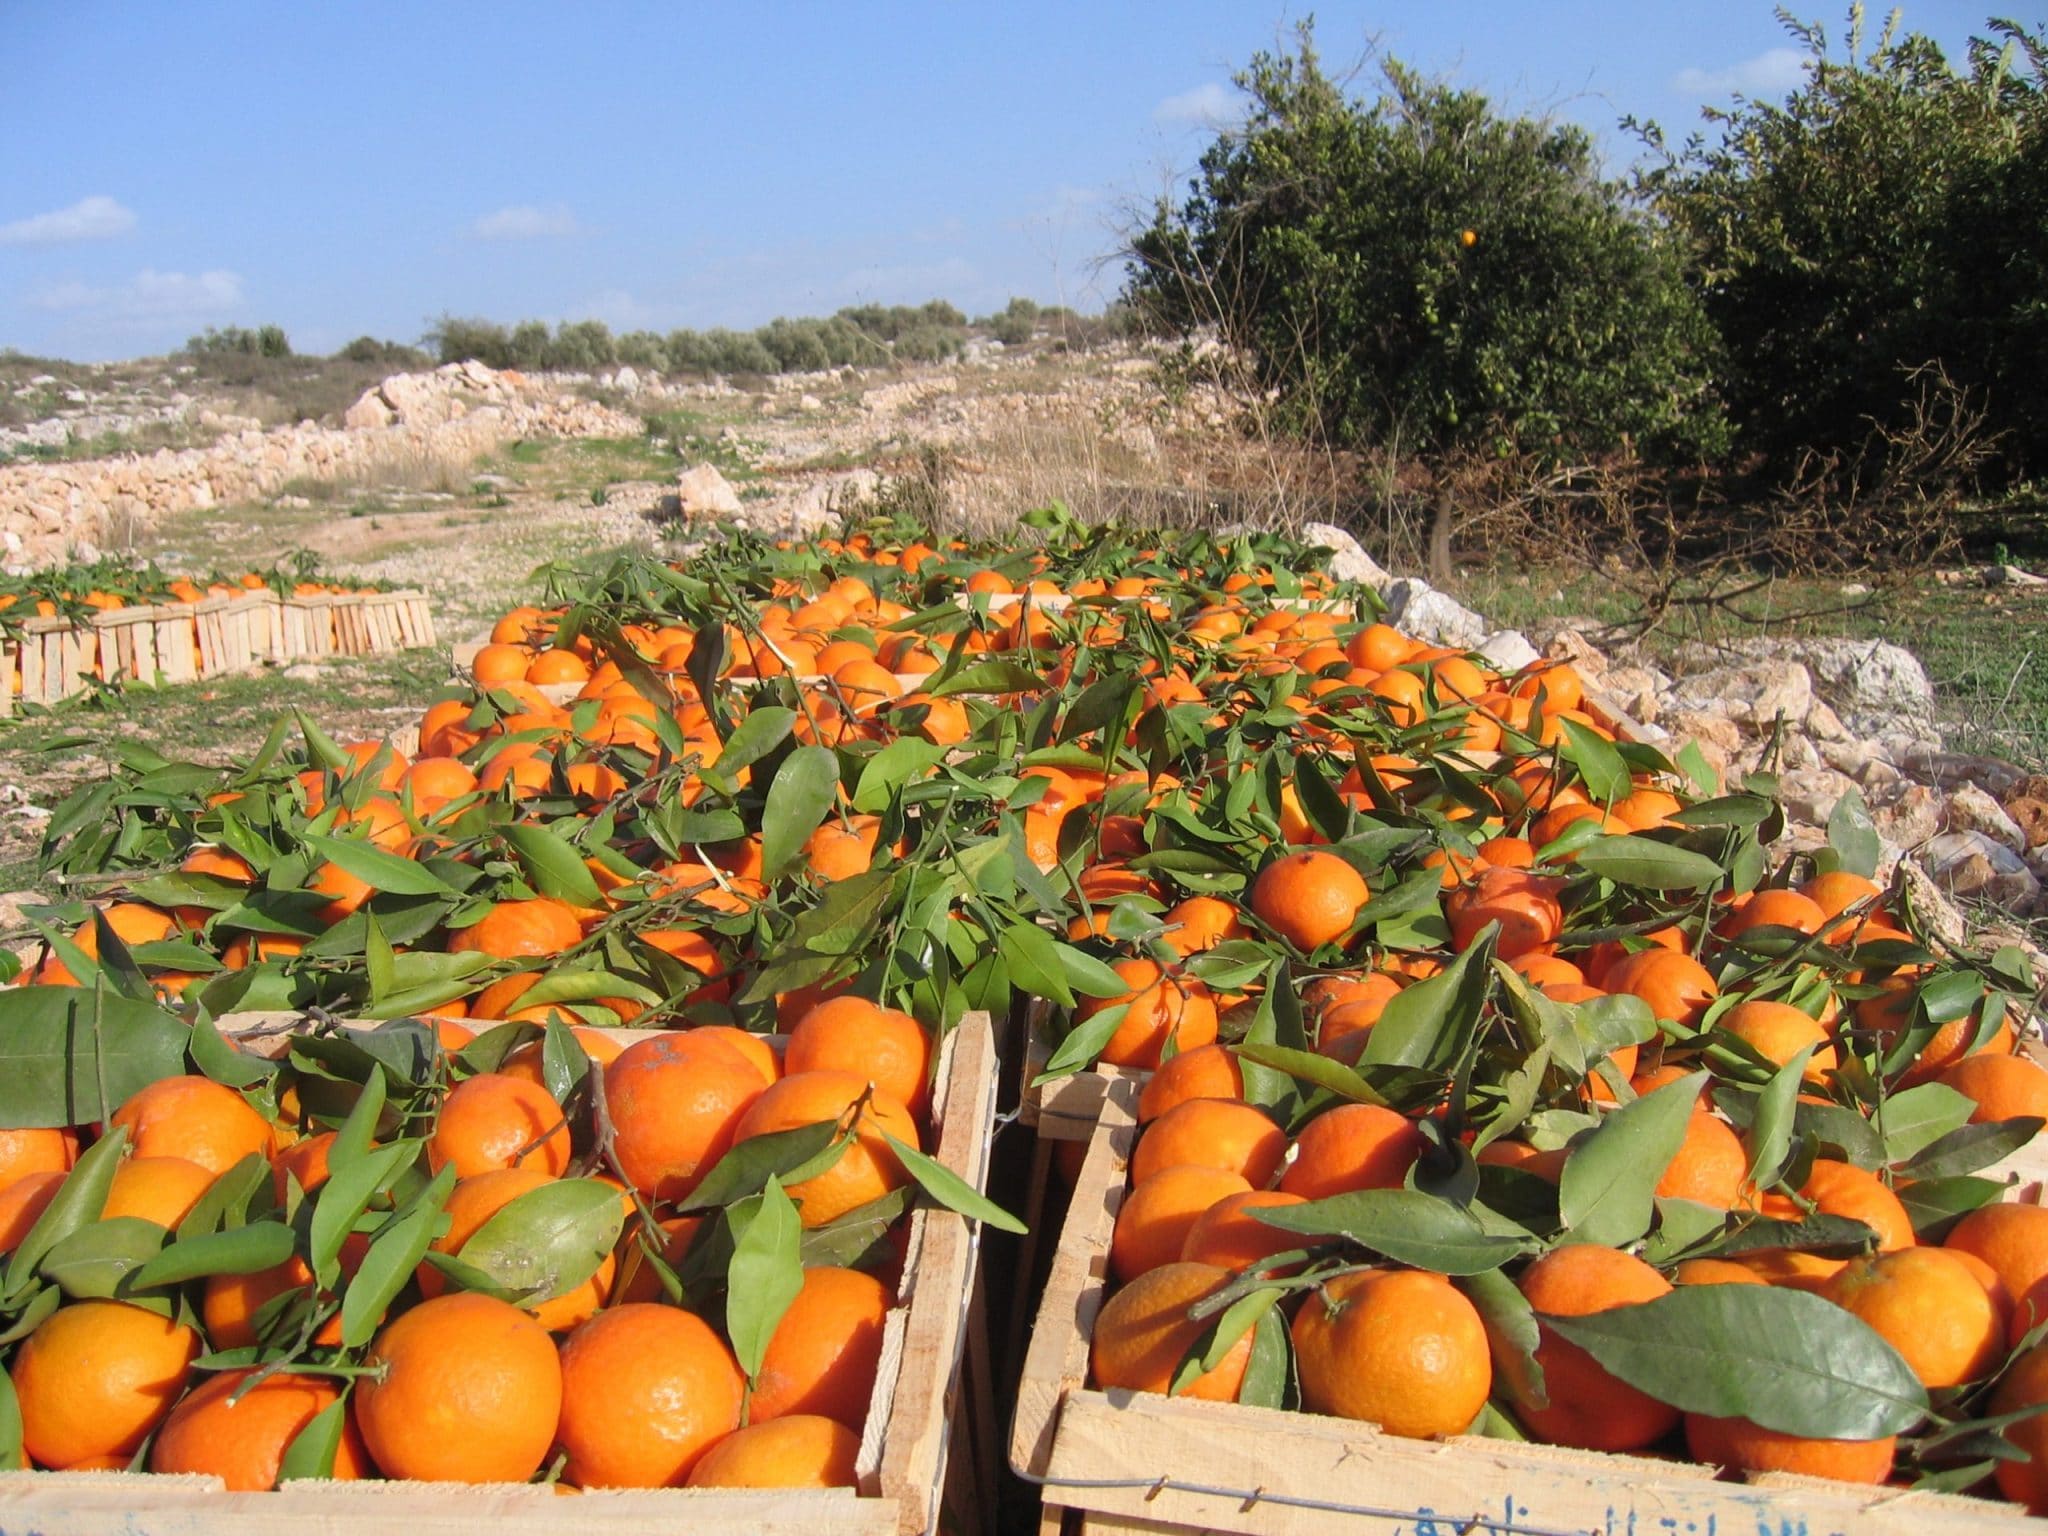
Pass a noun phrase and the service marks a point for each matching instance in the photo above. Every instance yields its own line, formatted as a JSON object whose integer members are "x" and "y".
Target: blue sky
{"x": 349, "y": 168}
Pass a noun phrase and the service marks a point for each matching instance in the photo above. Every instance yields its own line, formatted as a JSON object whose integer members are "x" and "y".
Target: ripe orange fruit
{"x": 646, "y": 1391}
{"x": 799, "y": 1451}
{"x": 1144, "y": 1332}
{"x": 1589, "y": 1408}
{"x": 96, "y": 1377}
{"x": 243, "y": 1442}
{"x": 23, "y": 1152}
{"x": 1212, "y": 1133}
{"x": 1524, "y": 905}
{"x": 1752, "y": 1448}
{"x": 158, "y": 1189}
{"x": 1843, "y": 1189}
{"x": 1353, "y": 1146}
{"x": 1400, "y": 1348}
{"x": 510, "y": 929}
{"x": 2025, "y": 1384}
{"x": 883, "y": 1046}
{"x": 1929, "y": 1307}
{"x": 1156, "y": 1007}
{"x": 476, "y": 1200}
{"x": 1710, "y": 1166}
{"x": 825, "y": 1353}
{"x": 2011, "y": 1238}
{"x": 1206, "y": 1072}
{"x": 1714, "y": 1272}
{"x": 676, "y": 1101}
{"x": 494, "y": 1121}
{"x": 757, "y": 1049}
{"x": 867, "y": 1170}
{"x": 193, "y": 1118}
{"x": 1308, "y": 897}
{"x": 1677, "y": 987}
{"x": 23, "y": 1202}
{"x": 1153, "y": 1223}
{"x": 1201, "y": 923}
{"x": 1774, "y": 909}
{"x": 2004, "y": 1087}
{"x": 1778, "y": 1032}
{"x": 1227, "y": 1236}
{"x": 470, "y": 1350}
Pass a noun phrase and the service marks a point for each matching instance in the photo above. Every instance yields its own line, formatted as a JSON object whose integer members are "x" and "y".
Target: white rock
{"x": 703, "y": 492}
{"x": 627, "y": 380}
{"x": 1971, "y": 864}
{"x": 367, "y": 413}
{"x": 1810, "y": 793}
{"x": 1971, "y": 809}
{"x": 1432, "y": 616}
{"x": 1348, "y": 559}
{"x": 1508, "y": 650}
{"x": 1866, "y": 680}
{"x": 1755, "y": 696}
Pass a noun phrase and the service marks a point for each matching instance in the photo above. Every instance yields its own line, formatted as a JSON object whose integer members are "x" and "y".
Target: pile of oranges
{"x": 1378, "y": 917}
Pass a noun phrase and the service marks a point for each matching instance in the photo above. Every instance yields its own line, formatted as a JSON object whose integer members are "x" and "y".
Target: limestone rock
{"x": 1508, "y": 650}
{"x": 1969, "y": 864}
{"x": 1809, "y": 793}
{"x": 1432, "y": 616}
{"x": 1908, "y": 815}
{"x": 702, "y": 492}
{"x": 2030, "y": 815}
{"x": 368, "y": 413}
{"x": 1971, "y": 809}
{"x": 1866, "y": 681}
{"x": 1755, "y": 696}
{"x": 1348, "y": 559}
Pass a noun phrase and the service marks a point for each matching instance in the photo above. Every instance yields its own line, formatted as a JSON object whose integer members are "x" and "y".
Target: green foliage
{"x": 395, "y": 356}
{"x": 1889, "y": 213}
{"x": 264, "y": 341}
{"x": 1418, "y": 271}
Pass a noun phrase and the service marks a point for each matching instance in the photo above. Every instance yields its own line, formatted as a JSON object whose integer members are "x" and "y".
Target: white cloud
{"x": 1773, "y": 73}
{"x": 524, "y": 221}
{"x": 1206, "y": 106}
{"x": 90, "y": 218}
{"x": 149, "y": 295}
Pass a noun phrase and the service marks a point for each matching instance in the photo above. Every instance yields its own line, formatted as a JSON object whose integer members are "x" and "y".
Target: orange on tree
{"x": 493, "y": 1121}
{"x": 193, "y": 1118}
{"x": 885, "y": 1046}
{"x": 676, "y": 1102}
{"x": 1928, "y": 1306}
{"x": 1750, "y": 1447}
{"x": 1352, "y": 1147}
{"x": 1158, "y": 1007}
{"x": 1212, "y": 1133}
{"x": 1153, "y": 1223}
{"x": 1206, "y": 1072}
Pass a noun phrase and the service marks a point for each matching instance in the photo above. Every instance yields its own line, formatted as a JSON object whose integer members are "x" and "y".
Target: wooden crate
{"x": 306, "y": 626}
{"x": 927, "y": 1459}
{"x": 1134, "y": 1461}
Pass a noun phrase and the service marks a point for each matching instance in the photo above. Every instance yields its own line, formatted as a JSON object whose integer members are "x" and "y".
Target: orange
{"x": 23, "y": 1202}
{"x": 646, "y": 1391}
{"x": 1351, "y": 1147}
{"x": 526, "y": 1062}
{"x": 96, "y": 1377}
{"x": 2011, "y": 1238}
{"x": 158, "y": 1189}
{"x": 242, "y": 1442}
{"x": 881, "y": 1045}
{"x": 800, "y": 1451}
{"x": 475, "y": 1201}
{"x": 541, "y": 926}
{"x": 826, "y": 1351}
{"x": 1524, "y": 905}
{"x": 1212, "y": 1133}
{"x": 1710, "y": 1166}
{"x": 675, "y": 1102}
{"x": 470, "y": 1392}
{"x": 2004, "y": 1087}
{"x": 1677, "y": 987}
{"x": 1714, "y": 1272}
{"x": 1206, "y": 1072}
{"x": 1838, "y": 890}
{"x": 757, "y": 1050}
{"x": 23, "y": 1152}
{"x": 2025, "y": 1384}
{"x": 345, "y": 892}
{"x": 1201, "y": 923}
{"x": 1843, "y": 1189}
{"x": 1929, "y": 1307}
{"x": 1400, "y": 1348}
{"x": 1144, "y": 1332}
{"x": 1588, "y": 1407}
{"x": 1153, "y": 1223}
{"x": 867, "y": 1170}
{"x": 193, "y": 1118}
{"x": 1778, "y": 1032}
{"x": 1156, "y": 1007}
{"x": 1224, "y": 1235}
{"x": 1773, "y": 909}
{"x": 1752, "y": 1448}
{"x": 494, "y": 1121}
{"x": 1308, "y": 897}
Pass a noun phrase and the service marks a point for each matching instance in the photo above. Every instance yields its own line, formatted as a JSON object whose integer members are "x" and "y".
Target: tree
{"x": 1889, "y": 214}
{"x": 1417, "y": 271}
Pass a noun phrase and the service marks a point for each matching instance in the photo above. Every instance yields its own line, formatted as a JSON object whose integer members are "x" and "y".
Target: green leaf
{"x": 765, "y": 1273}
{"x": 1430, "y": 1023}
{"x": 1084, "y": 1042}
{"x": 550, "y": 1239}
{"x": 1266, "y": 1373}
{"x": 77, "y": 1204}
{"x": 799, "y": 797}
{"x": 1782, "y": 1358}
{"x": 1972, "y": 1147}
{"x": 1630, "y": 859}
{"x": 381, "y": 871}
{"x": 902, "y": 761}
{"x": 952, "y": 1191}
{"x": 1087, "y": 975}
{"x": 213, "y": 1057}
{"x": 1309, "y": 1067}
{"x": 1609, "y": 1184}
{"x": 552, "y": 866}
{"x": 763, "y": 730}
{"x": 312, "y": 1450}
{"x": 1033, "y": 958}
{"x": 1600, "y": 767}
{"x": 1852, "y": 835}
{"x": 395, "y": 1253}
{"x": 1512, "y": 1330}
{"x": 59, "y": 1044}
{"x": 989, "y": 677}
{"x": 1919, "y": 1117}
{"x": 321, "y": 748}
{"x": 1405, "y": 1225}
{"x": 12, "y": 1457}
{"x": 1770, "y": 1128}
{"x": 234, "y": 1251}
{"x": 345, "y": 1196}
{"x": 92, "y": 1263}
{"x": 379, "y": 963}
{"x": 803, "y": 1152}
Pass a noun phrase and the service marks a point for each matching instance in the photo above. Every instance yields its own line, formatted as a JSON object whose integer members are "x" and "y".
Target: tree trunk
{"x": 1440, "y": 537}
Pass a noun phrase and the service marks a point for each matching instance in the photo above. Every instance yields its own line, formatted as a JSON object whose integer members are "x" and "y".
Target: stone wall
{"x": 409, "y": 424}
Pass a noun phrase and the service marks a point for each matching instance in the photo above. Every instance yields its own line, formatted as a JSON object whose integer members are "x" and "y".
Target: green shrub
{"x": 235, "y": 340}
{"x": 1418, "y": 270}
